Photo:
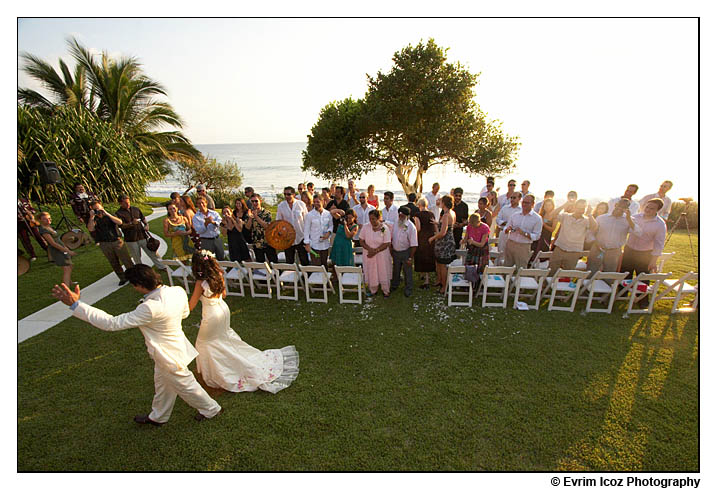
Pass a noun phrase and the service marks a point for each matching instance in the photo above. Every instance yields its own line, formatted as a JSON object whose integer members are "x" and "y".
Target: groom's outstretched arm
{"x": 141, "y": 316}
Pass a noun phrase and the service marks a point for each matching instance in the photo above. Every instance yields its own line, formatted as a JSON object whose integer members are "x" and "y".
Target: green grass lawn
{"x": 394, "y": 384}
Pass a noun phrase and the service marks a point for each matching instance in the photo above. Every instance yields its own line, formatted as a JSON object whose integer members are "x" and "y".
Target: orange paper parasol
{"x": 280, "y": 234}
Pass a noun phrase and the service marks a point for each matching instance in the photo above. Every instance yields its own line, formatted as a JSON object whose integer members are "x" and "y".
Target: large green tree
{"x": 421, "y": 114}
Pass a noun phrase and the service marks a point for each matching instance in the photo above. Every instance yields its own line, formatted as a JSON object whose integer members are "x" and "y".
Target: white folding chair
{"x": 286, "y": 276}
{"x": 358, "y": 256}
{"x": 496, "y": 277}
{"x": 316, "y": 278}
{"x": 680, "y": 288}
{"x": 567, "y": 290}
{"x": 542, "y": 259}
{"x": 235, "y": 275}
{"x": 260, "y": 277}
{"x": 665, "y": 256}
{"x": 457, "y": 285}
{"x": 605, "y": 284}
{"x": 529, "y": 279}
{"x": 177, "y": 269}
{"x": 636, "y": 289}
{"x": 351, "y": 280}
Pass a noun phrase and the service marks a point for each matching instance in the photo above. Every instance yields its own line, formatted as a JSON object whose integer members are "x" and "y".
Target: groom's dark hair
{"x": 143, "y": 275}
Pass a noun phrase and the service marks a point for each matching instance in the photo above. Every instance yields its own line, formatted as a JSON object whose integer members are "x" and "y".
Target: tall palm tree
{"x": 118, "y": 92}
{"x": 67, "y": 89}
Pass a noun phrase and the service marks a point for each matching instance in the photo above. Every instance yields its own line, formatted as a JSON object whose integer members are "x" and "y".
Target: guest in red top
{"x": 476, "y": 241}
{"x": 372, "y": 198}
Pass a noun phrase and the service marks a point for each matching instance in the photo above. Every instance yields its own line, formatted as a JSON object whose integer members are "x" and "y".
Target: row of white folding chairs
{"x": 569, "y": 286}
{"x": 262, "y": 277}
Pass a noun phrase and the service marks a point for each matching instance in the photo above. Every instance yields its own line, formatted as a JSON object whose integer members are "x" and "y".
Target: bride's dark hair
{"x": 206, "y": 268}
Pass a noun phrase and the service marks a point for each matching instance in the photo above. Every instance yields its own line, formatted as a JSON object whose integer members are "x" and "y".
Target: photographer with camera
{"x": 80, "y": 201}
{"x": 104, "y": 225}
{"x": 134, "y": 227}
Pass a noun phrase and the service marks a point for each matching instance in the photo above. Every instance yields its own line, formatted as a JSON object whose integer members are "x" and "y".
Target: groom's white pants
{"x": 169, "y": 385}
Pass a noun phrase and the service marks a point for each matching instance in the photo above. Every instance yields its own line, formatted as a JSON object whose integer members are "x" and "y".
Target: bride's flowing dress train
{"x": 227, "y": 362}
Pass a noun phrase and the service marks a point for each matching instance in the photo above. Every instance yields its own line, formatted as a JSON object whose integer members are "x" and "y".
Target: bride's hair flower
{"x": 207, "y": 254}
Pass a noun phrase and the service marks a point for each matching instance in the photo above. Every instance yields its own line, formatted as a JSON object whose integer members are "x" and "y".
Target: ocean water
{"x": 268, "y": 167}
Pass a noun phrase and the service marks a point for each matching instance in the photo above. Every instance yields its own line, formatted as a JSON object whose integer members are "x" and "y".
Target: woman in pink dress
{"x": 377, "y": 259}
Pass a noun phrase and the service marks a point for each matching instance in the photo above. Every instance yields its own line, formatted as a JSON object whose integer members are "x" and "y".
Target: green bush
{"x": 85, "y": 149}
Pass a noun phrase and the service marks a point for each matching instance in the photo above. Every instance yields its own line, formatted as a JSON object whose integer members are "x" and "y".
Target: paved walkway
{"x": 52, "y": 315}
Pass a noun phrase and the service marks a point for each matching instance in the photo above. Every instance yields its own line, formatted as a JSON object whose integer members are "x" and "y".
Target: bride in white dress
{"x": 224, "y": 360}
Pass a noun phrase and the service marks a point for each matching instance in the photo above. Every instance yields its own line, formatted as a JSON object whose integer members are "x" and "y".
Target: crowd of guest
{"x": 422, "y": 236}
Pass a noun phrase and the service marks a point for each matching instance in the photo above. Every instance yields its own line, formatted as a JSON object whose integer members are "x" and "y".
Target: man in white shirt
{"x": 488, "y": 188}
{"x": 293, "y": 211}
{"x": 351, "y": 196}
{"x": 522, "y": 229}
{"x": 433, "y": 199}
{"x": 613, "y": 230}
{"x": 631, "y": 189}
{"x": 362, "y": 210}
{"x": 505, "y": 199}
{"x": 667, "y": 203}
{"x": 502, "y": 219}
{"x": 404, "y": 242}
{"x": 572, "y": 234}
{"x": 206, "y": 223}
{"x": 525, "y": 188}
{"x": 317, "y": 231}
{"x": 390, "y": 213}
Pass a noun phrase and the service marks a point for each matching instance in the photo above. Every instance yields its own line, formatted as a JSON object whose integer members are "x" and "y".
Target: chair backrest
{"x": 456, "y": 270}
{"x": 284, "y": 267}
{"x": 500, "y": 270}
{"x": 358, "y": 250}
{"x": 312, "y": 269}
{"x": 652, "y": 276}
{"x": 493, "y": 241}
{"x": 228, "y": 264}
{"x": 608, "y": 275}
{"x": 252, "y": 266}
{"x": 536, "y": 273}
{"x": 570, "y": 273}
{"x": 347, "y": 269}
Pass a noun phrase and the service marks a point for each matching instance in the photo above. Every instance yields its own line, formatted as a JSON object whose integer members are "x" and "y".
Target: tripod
{"x": 74, "y": 237}
{"x": 684, "y": 217}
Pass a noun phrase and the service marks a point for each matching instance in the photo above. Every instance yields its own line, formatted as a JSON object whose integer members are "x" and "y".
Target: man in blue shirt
{"x": 206, "y": 224}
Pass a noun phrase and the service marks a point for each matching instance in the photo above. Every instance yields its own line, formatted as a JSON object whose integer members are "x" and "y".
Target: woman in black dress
{"x": 424, "y": 261}
{"x": 232, "y": 227}
{"x": 543, "y": 243}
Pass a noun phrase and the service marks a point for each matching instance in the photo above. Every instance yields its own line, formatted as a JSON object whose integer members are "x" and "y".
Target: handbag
{"x": 152, "y": 243}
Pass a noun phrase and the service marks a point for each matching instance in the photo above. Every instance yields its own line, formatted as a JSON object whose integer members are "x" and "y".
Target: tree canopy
{"x": 221, "y": 176}
{"x": 420, "y": 114}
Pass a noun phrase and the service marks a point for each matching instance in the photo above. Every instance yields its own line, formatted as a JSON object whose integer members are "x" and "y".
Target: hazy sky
{"x": 602, "y": 102}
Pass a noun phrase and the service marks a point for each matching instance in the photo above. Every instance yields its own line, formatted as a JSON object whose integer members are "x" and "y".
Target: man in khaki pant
{"x": 613, "y": 230}
{"x": 569, "y": 244}
{"x": 523, "y": 228}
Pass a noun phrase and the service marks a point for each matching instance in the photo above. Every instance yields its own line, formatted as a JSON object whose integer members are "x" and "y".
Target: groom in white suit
{"x": 159, "y": 318}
